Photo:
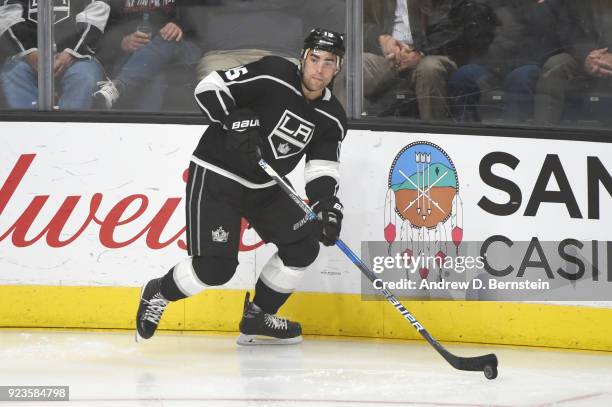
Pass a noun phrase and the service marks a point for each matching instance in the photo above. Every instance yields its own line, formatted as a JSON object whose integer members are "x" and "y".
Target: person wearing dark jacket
{"x": 413, "y": 39}
{"x": 586, "y": 32}
{"x": 78, "y": 26}
{"x": 525, "y": 37}
{"x": 144, "y": 38}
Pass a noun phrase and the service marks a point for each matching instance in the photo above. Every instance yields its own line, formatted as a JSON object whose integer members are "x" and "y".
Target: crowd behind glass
{"x": 514, "y": 62}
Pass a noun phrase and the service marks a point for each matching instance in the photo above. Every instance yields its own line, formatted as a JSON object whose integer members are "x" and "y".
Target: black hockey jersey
{"x": 78, "y": 25}
{"x": 290, "y": 125}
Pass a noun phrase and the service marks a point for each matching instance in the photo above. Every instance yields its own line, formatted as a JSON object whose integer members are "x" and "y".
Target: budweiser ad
{"x": 98, "y": 207}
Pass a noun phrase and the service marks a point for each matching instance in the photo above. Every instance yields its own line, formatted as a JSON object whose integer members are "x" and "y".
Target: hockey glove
{"x": 243, "y": 132}
{"x": 329, "y": 220}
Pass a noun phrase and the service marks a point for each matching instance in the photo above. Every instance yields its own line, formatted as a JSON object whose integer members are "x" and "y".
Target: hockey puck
{"x": 490, "y": 372}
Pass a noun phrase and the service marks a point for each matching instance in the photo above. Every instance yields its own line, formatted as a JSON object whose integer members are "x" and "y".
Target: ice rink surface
{"x": 171, "y": 369}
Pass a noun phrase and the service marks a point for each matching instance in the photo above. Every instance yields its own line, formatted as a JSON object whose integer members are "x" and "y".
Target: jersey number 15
{"x": 234, "y": 73}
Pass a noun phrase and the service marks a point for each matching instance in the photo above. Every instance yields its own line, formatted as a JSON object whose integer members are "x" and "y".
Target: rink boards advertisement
{"x": 103, "y": 204}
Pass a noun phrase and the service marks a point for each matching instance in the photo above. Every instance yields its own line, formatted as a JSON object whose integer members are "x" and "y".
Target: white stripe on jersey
{"x": 10, "y": 14}
{"x": 21, "y": 47}
{"x": 96, "y": 14}
{"x": 334, "y": 119}
{"x": 320, "y": 168}
{"x": 193, "y": 179}
{"x": 222, "y": 103}
{"x": 208, "y": 113}
{"x": 327, "y": 95}
{"x": 82, "y": 37}
{"x": 198, "y": 215}
{"x": 230, "y": 175}
{"x": 212, "y": 82}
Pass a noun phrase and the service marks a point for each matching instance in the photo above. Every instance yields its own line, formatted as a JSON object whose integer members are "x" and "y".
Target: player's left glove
{"x": 329, "y": 220}
{"x": 243, "y": 132}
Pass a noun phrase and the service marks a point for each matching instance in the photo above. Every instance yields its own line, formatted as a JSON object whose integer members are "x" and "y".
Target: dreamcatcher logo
{"x": 423, "y": 199}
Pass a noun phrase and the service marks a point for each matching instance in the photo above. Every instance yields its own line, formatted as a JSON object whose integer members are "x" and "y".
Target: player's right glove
{"x": 329, "y": 220}
{"x": 243, "y": 132}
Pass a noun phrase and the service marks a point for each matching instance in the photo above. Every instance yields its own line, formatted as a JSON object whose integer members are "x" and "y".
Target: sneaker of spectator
{"x": 107, "y": 95}
{"x": 145, "y": 43}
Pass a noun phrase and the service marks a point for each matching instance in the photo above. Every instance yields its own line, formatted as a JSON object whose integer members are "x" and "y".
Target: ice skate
{"x": 260, "y": 328}
{"x": 150, "y": 310}
{"x": 107, "y": 95}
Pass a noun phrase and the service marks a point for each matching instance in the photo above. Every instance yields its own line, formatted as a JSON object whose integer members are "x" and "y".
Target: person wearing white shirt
{"x": 396, "y": 47}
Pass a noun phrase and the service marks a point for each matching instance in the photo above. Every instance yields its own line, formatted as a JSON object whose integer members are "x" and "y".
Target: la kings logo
{"x": 290, "y": 135}
{"x": 61, "y": 10}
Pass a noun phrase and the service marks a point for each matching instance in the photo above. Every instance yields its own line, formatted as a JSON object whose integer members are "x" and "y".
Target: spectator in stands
{"x": 238, "y": 32}
{"x": 414, "y": 40}
{"x": 144, "y": 39}
{"x": 586, "y": 31}
{"x": 524, "y": 38}
{"x": 78, "y": 26}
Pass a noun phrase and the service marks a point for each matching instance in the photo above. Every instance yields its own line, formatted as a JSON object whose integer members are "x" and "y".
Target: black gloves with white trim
{"x": 329, "y": 220}
{"x": 243, "y": 133}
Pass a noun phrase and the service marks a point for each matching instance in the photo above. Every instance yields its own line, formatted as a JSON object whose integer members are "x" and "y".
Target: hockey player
{"x": 283, "y": 112}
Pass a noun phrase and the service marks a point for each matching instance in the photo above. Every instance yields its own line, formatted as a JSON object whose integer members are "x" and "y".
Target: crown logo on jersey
{"x": 220, "y": 235}
{"x": 283, "y": 148}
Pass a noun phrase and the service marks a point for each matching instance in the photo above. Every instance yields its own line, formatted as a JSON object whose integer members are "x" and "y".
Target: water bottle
{"x": 145, "y": 26}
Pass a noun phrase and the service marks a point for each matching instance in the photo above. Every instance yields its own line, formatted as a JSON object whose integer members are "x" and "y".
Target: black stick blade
{"x": 486, "y": 363}
{"x": 476, "y": 364}
{"x": 471, "y": 364}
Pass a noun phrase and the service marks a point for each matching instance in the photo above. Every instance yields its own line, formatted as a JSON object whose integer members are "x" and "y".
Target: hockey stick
{"x": 486, "y": 363}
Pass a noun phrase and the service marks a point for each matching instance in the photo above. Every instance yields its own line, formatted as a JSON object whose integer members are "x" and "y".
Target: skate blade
{"x": 255, "y": 340}
{"x": 137, "y": 337}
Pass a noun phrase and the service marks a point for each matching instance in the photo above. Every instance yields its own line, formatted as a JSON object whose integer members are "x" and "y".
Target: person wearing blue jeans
{"x": 77, "y": 28}
{"x": 143, "y": 41}
{"x": 523, "y": 37}
{"x": 467, "y": 84}
{"x": 145, "y": 66}
{"x": 19, "y": 81}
